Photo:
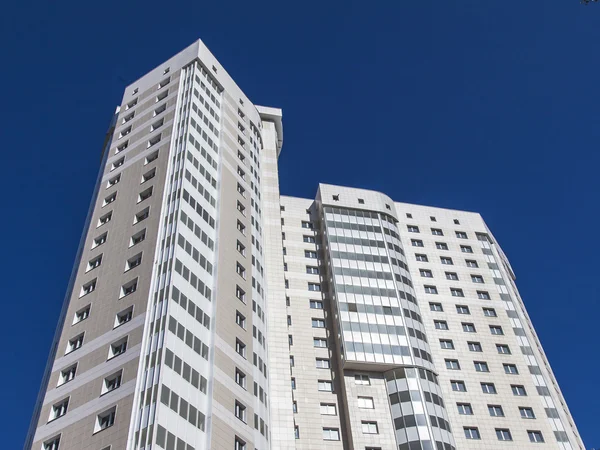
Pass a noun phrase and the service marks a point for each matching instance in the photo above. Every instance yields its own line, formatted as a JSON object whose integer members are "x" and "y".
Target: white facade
{"x": 207, "y": 311}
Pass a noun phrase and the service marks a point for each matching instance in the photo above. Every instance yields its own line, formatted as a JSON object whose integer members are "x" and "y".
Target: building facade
{"x": 207, "y": 311}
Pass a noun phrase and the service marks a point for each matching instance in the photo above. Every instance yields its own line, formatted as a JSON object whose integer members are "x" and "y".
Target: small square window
{"x": 82, "y": 314}
{"x": 59, "y": 409}
{"x": 361, "y": 201}
{"x": 67, "y": 374}
{"x": 441, "y": 246}
{"x": 124, "y": 316}
{"x": 94, "y": 263}
{"x": 154, "y": 140}
{"x": 142, "y": 215}
{"x": 133, "y": 262}
{"x": 128, "y": 288}
{"x": 162, "y": 96}
{"x": 408, "y": 215}
{"x": 52, "y": 444}
{"x": 74, "y": 343}
{"x": 446, "y": 260}
{"x": 99, "y": 240}
{"x": 430, "y": 290}
{"x": 103, "y": 220}
{"x": 456, "y": 222}
{"x": 117, "y": 348}
{"x": 112, "y": 382}
{"x": 151, "y": 157}
{"x": 138, "y": 237}
{"x": 421, "y": 258}
{"x": 105, "y": 420}
{"x": 88, "y": 288}
{"x": 518, "y": 390}
{"x": 146, "y": 194}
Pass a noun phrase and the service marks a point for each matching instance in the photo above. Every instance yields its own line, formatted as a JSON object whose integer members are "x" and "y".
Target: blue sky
{"x": 479, "y": 105}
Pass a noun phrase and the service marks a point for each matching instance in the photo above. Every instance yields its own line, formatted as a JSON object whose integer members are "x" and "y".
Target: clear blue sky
{"x": 491, "y": 106}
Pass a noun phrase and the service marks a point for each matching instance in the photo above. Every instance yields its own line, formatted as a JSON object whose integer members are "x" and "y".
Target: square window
{"x": 495, "y": 411}
{"x": 99, "y": 240}
{"x": 466, "y": 249}
{"x": 441, "y": 246}
{"x": 452, "y": 364}
{"x": 240, "y": 378}
{"x": 437, "y": 232}
{"x": 362, "y": 379}
{"x": 472, "y": 433}
{"x": 142, "y": 215}
{"x": 416, "y": 243}
{"x": 476, "y": 278}
{"x": 462, "y": 309}
{"x": 468, "y": 327}
{"x": 496, "y": 330}
{"x": 458, "y": 385}
{"x": 128, "y": 288}
{"x": 503, "y": 349}
{"x": 483, "y": 295}
{"x": 456, "y": 222}
{"x": 112, "y": 382}
{"x": 82, "y": 314}
{"x": 369, "y": 427}
{"x": 481, "y": 366}
{"x": 452, "y": 276}
{"x": 145, "y": 194}
{"x": 426, "y": 273}
{"x": 430, "y": 290}
{"x": 325, "y": 385}
{"x": 320, "y": 342}
{"x": 113, "y": 181}
{"x": 518, "y": 390}
{"x": 123, "y": 317}
{"x": 446, "y": 344}
{"x": 151, "y": 157}
{"x": 535, "y": 436}
{"x": 526, "y": 412}
{"x": 474, "y": 346}
{"x": 472, "y": 263}
{"x": 331, "y": 434}
{"x": 133, "y": 262}
{"x": 67, "y": 374}
{"x": 94, "y": 263}
{"x": 461, "y": 234}
{"x": 488, "y": 388}
{"x": 503, "y": 434}
{"x": 510, "y": 369}
{"x": 117, "y": 348}
{"x": 446, "y": 260}
{"x": 436, "y": 307}
{"x": 412, "y": 228}
{"x": 103, "y": 220}
{"x": 137, "y": 238}
{"x": 421, "y": 257}
{"x": 457, "y": 292}
{"x": 440, "y": 324}
{"x": 59, "y": 409}
{"x": 88, "y": 288}
{"x": 52, "y": 444}
{"x": 465, "y": 409}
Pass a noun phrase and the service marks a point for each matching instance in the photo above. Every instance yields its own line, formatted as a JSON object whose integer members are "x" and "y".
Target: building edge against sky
{"x": 207, "y": 311}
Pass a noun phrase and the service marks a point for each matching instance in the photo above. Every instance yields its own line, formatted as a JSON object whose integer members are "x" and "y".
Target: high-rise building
{"x": 206, "y": 311}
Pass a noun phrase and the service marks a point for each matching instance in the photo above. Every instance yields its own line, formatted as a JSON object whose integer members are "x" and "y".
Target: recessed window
{"x": 462, "y": 309}
{"x": 241, "y": 227}
{"x": 240, "y": 319}
{"x": 306, "y": 224}
{"x": 412, "y": 228}
{"x": 474, "y": 346}
{"x": 133, "y": 262}
{"x": 99, "y": 240}
{"x": 483, "y": 295}
{"x": 456, "y": 222}
{"x": 162, "y": 108}
{"x": 458, "y": 385}
{"x": 465, "y": 409}
{"x": 310, "y": 254}
{"x": 468, "y": 327}
{"x": 52, "y": 444}
{"x": 82, "y": 314}
{"x": 240, "y": 444}
{"x": 496, "y": 329}
{"x": 315, "y": 287}
{"x": 452, "y": 364}
{"x": 312, "y": 270}
{"x": 503, "y": 434}
{"x": 151, "y": 157}
{"x": 432, "y": 218}
{"x": 240, "y": 411}
{"x": 105, "y": 420}
{"x": 369, "y": 427}
{"x": 421, "y": 258}
{"x": 117, "y": 348}
{"x": 416, "y": 242}
{"x": 518, "y": 390}
{"x": 447, "y": 344}
{"x": 441, "y": 246}
{"x": 123, "y": 317}
{"x": 461, "y": 234}
{"x": 316, "y": 304}
{"x": 526, "y": 412}
{"x": 320, "y": 342}
{"x": 535, "y": 436}
{"x": 476, "y": 278}
{"x": 128, "y": 288}
{"x": 308, "y": 239}
{"x": 408, "y": 215}
{"x": 145, "y": 194}
{"x": 440, "y": 324}
{"x": 240, "y": 348}
{"x": 471, "y": 263}
{"x": 481, "y": 366}
{"x": 510, "y": 369}
{"x": 328, "y": 409}
{"x": 154, "y": 140}
{"x": 457, "y": 292}
{"x": 142, "y": 215}
{"x": 451, "y": 276}
{"x": 131, "y": 104}
{"x": 472, "y": 433}
{"x": 323, "y": 363}
{"x": 466, "y": 249}
{"x": 331, "y": 434}
{"x": 241, "y": 248}
{"x": 318, "y": 323}
{"x": 94, "y": 263}
{"x": 366, "y": 402}
{"x": 112, "y": 382}
{"x": 446, "y": 260}
{"x": 240, "y": 270}
{"x": 88, "y": 288}
{"x": 241, "y": 208}
{"x": 103, "y": 220}
{"x": 495, "y": 411}
{"x": 113, "y": 181}
{"x": 362, "y": 379}
{"x": 437, "y": 232}
{"x": 160, "y": 97}
{"x": 128, "y": 117}
{"x": 426, "y": 273}
{"x": 503, "y": 349}
{"x": 59, "y": 409}
{"x": 336, "y": 198}
{"x": 125, "y": 131}
{"x": 436, "y": 307}
{"x": 361, "y": 201}
{"x": 240, "y": 378}
{"x": 240, "y": 294}
{"x": 74, "y": 343}
{"x": 430, "y": 290}
{"x": 488, "y": 388}
{"x": 137, "y": 238}
{"x": 67, "y": 374}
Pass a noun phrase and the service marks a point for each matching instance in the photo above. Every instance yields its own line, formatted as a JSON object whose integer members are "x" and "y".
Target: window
{"x": 67, "y": 374}
{"x": 240, "y": 294}
{"x": 451, "y": 276}
{"x": 142, "y": 215}
{"x": 496, "y": 329}
{"x": 325, "y": 385}
{"x": 458, "y": 385}
{"x": 52, "y": 444}
{"x": 488, "y": 388}
{"x": 446, "y": 260}
{"x": 113, "y": 181}
{"x": 240, "y": 411}
{"x": 241, "y": 227}
{"x": 432, "y": 218}
{"x": 151, "y": 157}
{"x": 293, "y": 383}
{"x": 164, "y": 82}
{"x": 474, "y": 346}
{"x": 162, "y": 96}
{"x": 510, "y": 369}
{"x": 240, "y": 348}
{"x": 331, "y": 434}
{"x": 489, "y": 312}
{"x": 461, "y": 234}
{"x": 535, "y": 436}
{"x": 466, "y": 249}
{"x": 290, "y": 339}
{"x": 323, "y": 363}
{"x": 441, "y": 246}
{"x": 108, "y": 200}
{"x": 462, "y": 309}
{"x": 412, "y": 228}
{"x": 74, "y": 343}
{"x": 420, "y": 257}
{"x": 476, "y": 278}
{"x": 437, "y": 232}
{"x": 145, "y": 194}
{"x": 436, "y": 307}
{"x": 366, "y": 402}
{"x": 472, "y": 263}
{"x": 241, "y": 248}
{"x": 296, "y": 432}
{"x": 518, "y": 390}
{"x": 306, "y": 224}
{"x": 239, "y": 444}
{"x": 240, "y": 378}
{"x": 408, "y": 215}
{"x": 426, "y": 273}
{"x": 99, "y": 240}
{"x": 447, "y": 344}
{"x": 103, "y": 220}
{"x": 310, "y": 254}
{"x": 315, "y": 287}
{"x": 472, "y": 433}
{"x": 483, "y": 295}
{"x": 369, "y": 427}
{"x": 240, "y": 270}
{"x": 430, "y": 290}
{"x": 124, "y": 132}
{"x": 320, "y": 342}
{"x": 416, "y": 242}
{"x": 468, "y": 327}
{"x": 308, "y": 239}
{"x": 105, "y": 420}
{"x": 59, "y": 409}
{"x": 440, "y": 324}
{"x": 82, "y": 314}
{"x": 465, "y": 409}
{"x": 361, "y": 201}
{"x": 495, "y": 411}
{"x": 503, "y": 349}
{"x": 526, "y": 412}
{"x": 133, "y": 262}
{"x": 94, "y": 262}
{"x": 118, "y": 163}
{"x": 240, "y": 319}
{"x": 328, "y": 409}
{"x": 457, "y": 292}
{"x": 241, "y": 208}
{"x": 117, "y": 348}
{"x": 112, "y": 382}
{"x": 312, "y": 270}
{"x": 316, "y": 304}
{"x": 137, "y": 238}
{"x": 362, "y": 380}
{"x": 456, "y": 222}
{"x": 128, "y": 288}
{"x": 318, "y": 323}
{"x": 162, "y": 108}
{"x": 481, "y": 366}
{"x": 294, "y": 406}
{"x": 452, "y": 364}
{"x": 503, "y": 434}
{"x": 242, "y": 192}
{"x": 124, "y": 316}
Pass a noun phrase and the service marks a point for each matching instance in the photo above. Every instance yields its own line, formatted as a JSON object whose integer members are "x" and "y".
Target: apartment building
{"x": 205, "y": 310}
